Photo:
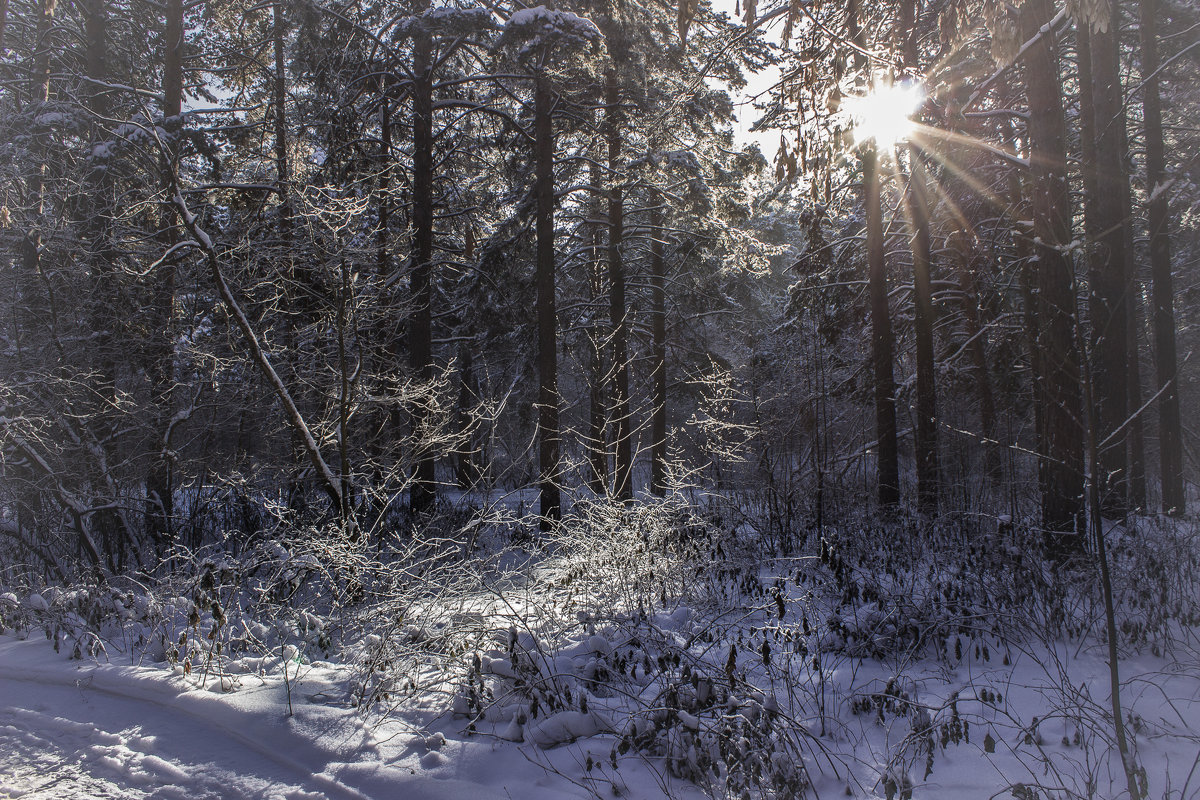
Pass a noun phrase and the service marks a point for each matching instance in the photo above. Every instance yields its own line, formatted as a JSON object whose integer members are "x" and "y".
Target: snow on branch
{"x": 540, "y": 27}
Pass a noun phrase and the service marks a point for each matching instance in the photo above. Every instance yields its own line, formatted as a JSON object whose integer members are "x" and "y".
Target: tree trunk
{"x": 287, "y": 261}
{"x": 1162, "y": 293}
{"x": 31, "y": 245}
{"x": 888, "y": 469}
{"x": 623, "y": 477}
{"x": 658, "y": 313}
{"x": 548, "y": 432}
{"x": 97, "y": 223}
{"x": 283, "y": 173}
{"x": 1107, "y": 271}
{"x": 110, "y": 522}
{"x": 918, "y": 208}
{"x": 881, "y": 336}
{"x": 926, "y": 440}
{"x": 420, "y": 336}
{"x": 978, "y": 347}
{"x": 160, "y": 482}
{"x": 31, "y": 257}
{"x": 388, "y": 352}
{"x": 1133, "y": 303}
{"x": 467, "y": 471}
{"x": 1023, "y": 255}
{"x": 597, "y": 438}
{"x": 382, "y": 257}
{"x": 1062, "y": 495}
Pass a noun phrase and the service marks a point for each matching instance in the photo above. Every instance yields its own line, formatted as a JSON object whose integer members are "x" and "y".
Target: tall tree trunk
{"x": 1137, "y": 428}
{"x": 597, "y": 438}
{"x": 160, "y": 482}
{"x": 102, "y": 255}
{"x": 658, "y": 334}
{"x": 1107, "y": 270}
{"x": 918, "y": 207}
{"x": 420, "y": 336}
{"x": 927, "y": 448}
{"x": 98, "y": 217}
{"x": 1062, "y": 496}
{"x": 888, "y": 469}
{"x": 287, "y": 260}
{"x": 881, "y": 336}
{"x": 547, "y": 327}
{"x": 283, "y": 173}
{"x": 467, "y": 464}
{"x": 31, "y": 244}
{"x": 977, "y": 348}
{"x": 1019, "y": 209}
{"x": 31, "y": 256}
{"x": 382, "y": 239}
{"x": 1133, "y": 303}
{"x": 1162, "y": 293}
{"x": 388, "y": 352}
{"x": 618, "y": 318}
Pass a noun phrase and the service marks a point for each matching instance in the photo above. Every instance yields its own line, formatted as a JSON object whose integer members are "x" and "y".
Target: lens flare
{"x": 885, "y": 113}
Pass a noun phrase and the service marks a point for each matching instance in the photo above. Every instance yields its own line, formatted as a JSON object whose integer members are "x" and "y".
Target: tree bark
{"x": 597, "y": 438}
{"x": 977, "y": 335}
{"x": 1019, "y": 210}
{"x": 97, "y": 223}
{"x": 1107, "y": 272}
{"x": 110, "y": 523}
{"x": 160, "y": 482}
{"x": 548, "y": 433}
{"x": 1062, "y": 496}
{"x": 283, "y": 173}
{"x": 882, "y": 345}
{"x": 287, "y": 260}
{"x": 918, "y": 207}
{"x": 623, "y": 476}
{"x": 31, "y": 244}
{"x": 467, "y": 470}
{"x": 881, "y": 337}
{"x": 926, "y": 439}
{"x": 1170, "y": 432}
{"x": 658, "y": 334}
{"x": 31, "y": 256}
{"x": 420, "y": 335}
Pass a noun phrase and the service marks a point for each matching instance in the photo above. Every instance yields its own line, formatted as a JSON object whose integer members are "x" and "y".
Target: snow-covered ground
{"x": 72, "y": 729}
{"x": 633, "y": 658}
{"x": 82, "y": 729}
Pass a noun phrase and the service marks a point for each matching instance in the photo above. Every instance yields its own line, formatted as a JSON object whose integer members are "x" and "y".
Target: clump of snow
{"x": 447, "y": 21}
{"x": 540, "y": 28}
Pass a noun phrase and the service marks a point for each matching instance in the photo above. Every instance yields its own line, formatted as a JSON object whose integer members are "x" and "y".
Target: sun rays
{"x": 885, "y": 114}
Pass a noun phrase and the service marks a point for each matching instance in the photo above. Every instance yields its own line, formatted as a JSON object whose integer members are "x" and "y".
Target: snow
{"x": 75, "y": 729}
{"x": 1159, "y": 189}
{"x": 539, "y": 26}
{"x": 759, "y": 675}
{"x": 71, "y": 729}
{"x": 444, "y": 21}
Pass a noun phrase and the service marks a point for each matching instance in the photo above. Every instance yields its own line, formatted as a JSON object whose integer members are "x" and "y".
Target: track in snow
{"x": 70, "y": 742}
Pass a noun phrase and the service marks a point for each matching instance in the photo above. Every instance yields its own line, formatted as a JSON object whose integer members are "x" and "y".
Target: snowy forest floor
{"x": 624, "y": 658}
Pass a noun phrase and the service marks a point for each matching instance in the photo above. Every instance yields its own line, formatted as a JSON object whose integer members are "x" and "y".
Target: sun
{"x": 885, "y": 113}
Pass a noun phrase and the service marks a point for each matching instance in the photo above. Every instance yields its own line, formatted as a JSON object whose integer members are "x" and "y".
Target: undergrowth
{"x": 672, "y": 628}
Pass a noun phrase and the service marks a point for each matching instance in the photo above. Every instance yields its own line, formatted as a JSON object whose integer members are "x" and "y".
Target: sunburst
{"x": 885, "y": 114}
